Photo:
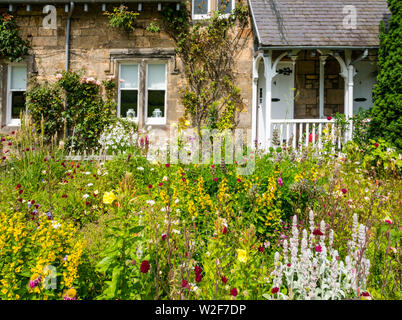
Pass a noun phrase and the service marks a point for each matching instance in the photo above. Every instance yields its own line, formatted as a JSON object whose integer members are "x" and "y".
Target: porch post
{"x": 268, "y": 97}
{"x": 322, "y": 85}
{"x": 254, "y": 108}
{"x": 349, "y": 110}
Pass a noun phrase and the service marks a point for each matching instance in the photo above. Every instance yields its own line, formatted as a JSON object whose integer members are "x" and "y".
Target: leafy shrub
{"x": 12, "y": 46}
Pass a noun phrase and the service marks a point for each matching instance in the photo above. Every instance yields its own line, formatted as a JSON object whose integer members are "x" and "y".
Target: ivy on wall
{"x": 12, "y": 46}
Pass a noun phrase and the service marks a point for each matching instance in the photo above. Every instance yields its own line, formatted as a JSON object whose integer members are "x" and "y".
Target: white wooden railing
{"x": 302, "y": 132}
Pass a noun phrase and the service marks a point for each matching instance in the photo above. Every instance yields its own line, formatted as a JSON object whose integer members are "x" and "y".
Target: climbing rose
{"x": 233, "y": 292}
{"x": 145, "y": 266}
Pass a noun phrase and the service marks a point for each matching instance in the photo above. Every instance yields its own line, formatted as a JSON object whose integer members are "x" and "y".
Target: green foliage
{"x": 45, "y": 102}
{"x": 12, "y": 46}
{"x": 361, "y": 127}
{"x": 153, "y": 27}
{"x": 122, "y": 18}
{"x": 386, "y": 114}
{"x": 86, "y": 113}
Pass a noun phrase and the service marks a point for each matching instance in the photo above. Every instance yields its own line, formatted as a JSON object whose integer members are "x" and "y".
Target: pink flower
{"x": 167, "y": 165}
{"x": 329, "y": 118}
{"x": 59, "y": 76}
{"x": 216, "y": 179}
{"x": 344, "y": 191}
{"x": 318, "y": 248}
{"x": 238, "y": 180}
{"x": 376, "y": 145}
{"x": 280, "y": 182}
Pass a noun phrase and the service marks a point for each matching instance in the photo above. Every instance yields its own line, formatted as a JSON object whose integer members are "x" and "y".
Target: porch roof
{"x": 317, "y": 23}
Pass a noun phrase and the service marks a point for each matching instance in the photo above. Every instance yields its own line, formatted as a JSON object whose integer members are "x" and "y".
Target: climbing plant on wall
{"x": 12, "y": 46}
{"x": 208, "y": 50}
{"x": 386, "y": 114}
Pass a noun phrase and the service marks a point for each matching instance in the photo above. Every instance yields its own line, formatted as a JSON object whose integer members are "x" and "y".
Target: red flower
{"x": 318, "y": 248}
{"x": 216, "y": 179}
{"x": 233, "y": 292}
{"x": 197, "y": 269}
{"x": 274, "y": 290}
{"x": 64, "y": 196}
{"x": 145, "y": 266}
{"x": 18, "y": 186}
{"x": 329, "y": 118}
{"x": 150, "y": 186}
{"x": 167, "y": 165}
{"x": 317, "y": 232}
{"x": 376, "y": 145}
{"x": 288, "y": 264}
{"x": 261, "y": 249}
{"x": 344, "y": 191}
{"x": 365, "y": 294}
{"x": 184, "y": 179}
{"x": 160, "y": 184}
{"x": 224, "y": 230}
{"x": 224, "y": 279}
{"x": 164, "y": 236}
{"x": 20, "y": 191}
{"x": 213, "y": 166}
{"x": 198, "y": 277}
{"x": 238, "y": 180}
{"x": 20, "y": 199}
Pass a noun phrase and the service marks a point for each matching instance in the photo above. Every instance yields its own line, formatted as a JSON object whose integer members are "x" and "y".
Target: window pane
{"x": 156, "y": 76}
{"x": 18, "y": 78}
{"x": 128, "y": 100}
{"x": 129, "y": 76}
{"x": 226, "y": 5}
{"x": 156, "y": 103}
{"x": 17, "y": 103}
{"x": 200, "y": 7}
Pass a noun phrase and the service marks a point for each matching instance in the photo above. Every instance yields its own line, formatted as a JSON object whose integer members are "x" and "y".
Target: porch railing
{"x": 296, "y": 133}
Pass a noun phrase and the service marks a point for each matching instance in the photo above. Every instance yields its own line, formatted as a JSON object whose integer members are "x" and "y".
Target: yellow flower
{"x": 242, "y": 255}
{"x": 108, "y": 197}
{"x": 71, "y": 293}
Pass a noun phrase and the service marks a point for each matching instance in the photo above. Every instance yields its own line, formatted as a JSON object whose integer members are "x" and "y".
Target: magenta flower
{"x": 317, "y": 232}
{"x": 344, "y": 191}
{"x": 280, "y": 182}
{"x": 329, "y": 118}
{"x": 318, "y": 248}
{"x": 233, "y": 292}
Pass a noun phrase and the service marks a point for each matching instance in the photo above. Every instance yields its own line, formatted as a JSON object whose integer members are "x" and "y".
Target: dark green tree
{"x": 386, "y": 113}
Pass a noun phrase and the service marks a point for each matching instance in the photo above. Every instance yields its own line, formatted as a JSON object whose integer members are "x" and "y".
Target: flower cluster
{"x": 311, "y": 269}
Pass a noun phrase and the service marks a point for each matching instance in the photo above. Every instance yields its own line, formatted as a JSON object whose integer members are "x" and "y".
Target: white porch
{"x": 275, "y": 121}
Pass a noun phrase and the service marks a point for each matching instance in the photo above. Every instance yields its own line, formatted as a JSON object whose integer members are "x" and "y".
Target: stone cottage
{"x": 305, "y": 59}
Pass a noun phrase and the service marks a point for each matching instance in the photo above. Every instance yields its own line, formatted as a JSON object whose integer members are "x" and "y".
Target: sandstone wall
{"x": 94, "y": 46}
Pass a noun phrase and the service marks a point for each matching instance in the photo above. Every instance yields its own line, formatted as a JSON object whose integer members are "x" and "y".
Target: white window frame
{"x": 151, "y": 120}
{"x": 201, "y": 16}
{"x": 9, "y": 120}
{"x": 130, "y": 63}
{"x": 208, "y": 15}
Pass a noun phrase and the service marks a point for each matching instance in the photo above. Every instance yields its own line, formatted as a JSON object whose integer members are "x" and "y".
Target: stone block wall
{"x": 93, "y": 44}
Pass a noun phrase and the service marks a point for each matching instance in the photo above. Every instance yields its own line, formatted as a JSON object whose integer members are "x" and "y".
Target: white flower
{"x": 151, "y": 202}
{"x": 90, "y": 184}
{"x": 140, "y": 168}
{"x": 56, "y": 225}
{"x": 85, "y": 196}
